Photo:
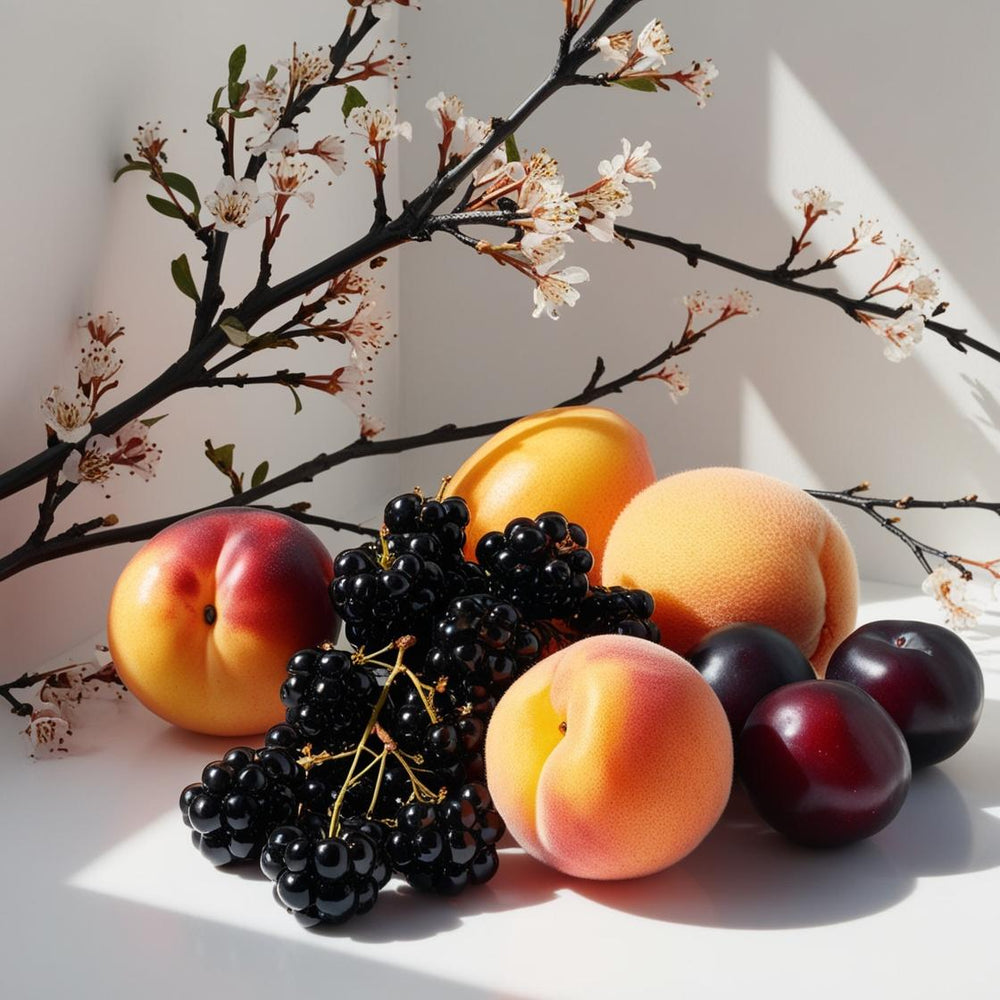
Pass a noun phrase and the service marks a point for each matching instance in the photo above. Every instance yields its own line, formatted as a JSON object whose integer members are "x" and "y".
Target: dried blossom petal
{"x": 906, "y": 254}
{"x": 67, "y": 415}
{"x": 47, "y": 731}
{"x": 947, "y": 586}
{"x": 673, "y": 378}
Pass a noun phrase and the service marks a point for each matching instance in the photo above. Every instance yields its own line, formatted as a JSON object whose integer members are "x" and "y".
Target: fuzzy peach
{"x": 610, "y": 759}
{"x": 205, "y": 616}
{"x": 584, "y": 461}
{"x": 716, "y": 546}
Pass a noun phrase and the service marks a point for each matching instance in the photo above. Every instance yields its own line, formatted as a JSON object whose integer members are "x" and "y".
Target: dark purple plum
{"x": 923, "y": 675}
{"x": 744, "y": 662}
{"x": 823, "y": 763}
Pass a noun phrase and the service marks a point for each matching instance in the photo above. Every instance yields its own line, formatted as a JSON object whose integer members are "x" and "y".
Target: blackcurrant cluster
{"x": 239, "y": 800}
{"x": 540, "y": 566}
{"x": 324, "y": 879}
{"x": 616, "y": 611}
{"x": 442, "y": 847}
{"x": 328, "y": 697}
{"x": 377, "y": 767}
{"x": 481, "y": 645}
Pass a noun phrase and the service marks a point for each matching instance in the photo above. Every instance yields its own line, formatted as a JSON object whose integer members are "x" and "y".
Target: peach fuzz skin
{"x": 610, "y": 759}
{"x": 716, "y": 546}
{"x": 584, "y": 461}
{"x": 265, "y": 576}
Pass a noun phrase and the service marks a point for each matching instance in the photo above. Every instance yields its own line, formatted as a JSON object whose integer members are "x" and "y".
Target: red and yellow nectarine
{"x": 610, "y": 759}
{"x": 716, "y": 546}
{"x": 205, "y": 616}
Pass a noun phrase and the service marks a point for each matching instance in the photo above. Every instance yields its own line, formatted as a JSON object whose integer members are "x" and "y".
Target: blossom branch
{"x": 694, "y": 253}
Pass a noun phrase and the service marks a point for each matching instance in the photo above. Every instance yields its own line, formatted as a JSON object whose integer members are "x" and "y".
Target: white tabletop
{"x": 105, "y": 895}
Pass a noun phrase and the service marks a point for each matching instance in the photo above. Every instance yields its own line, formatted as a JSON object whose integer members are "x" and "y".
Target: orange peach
{"x": 720, "y": 545}
{"x": 205, "y": 616}
{"x": 610, "y": 759}
{"x": 583, "y": 461}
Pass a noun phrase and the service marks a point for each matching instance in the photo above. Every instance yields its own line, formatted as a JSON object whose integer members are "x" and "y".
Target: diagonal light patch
{"x": 807, "y": 149}
{"x": 764, "y": 444}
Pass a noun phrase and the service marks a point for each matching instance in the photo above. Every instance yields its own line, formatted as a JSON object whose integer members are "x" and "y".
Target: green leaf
{"x": 182, "y": 185}
{"x": 131, "y": 165}
{"x": 165, "y": 207}
{"x": 181, "y": 271}
{"x": 149, "y": 421}
{"x": 237, "y": 61}
{"x": 510, "y": 146}
{"x": 259, "y": 475}
{"x": 353, "y": 98}
{"x": 271, "y": 72}
{"x": 298, "y": 402}
{"x": 221, "y": 457}
{"x": 640, "y": 83}
{"x": 216, "y": 99}
{"x": 234, "y": 330}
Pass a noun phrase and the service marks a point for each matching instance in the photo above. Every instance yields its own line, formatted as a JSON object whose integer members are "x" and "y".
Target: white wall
{"x": 86, "y": 76}
{"x": 890, "y": 106}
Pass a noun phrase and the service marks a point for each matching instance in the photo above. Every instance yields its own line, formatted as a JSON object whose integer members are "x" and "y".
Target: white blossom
{"x": 331, "y": 150}
{"x": 306, "y": 69}
{"x": 98, "y": 361}
{"x": 907, "y": 253}
{"x": 103, "y": 456}
{"x": 633, "y": 166}
{"x": 900, "y": 335}
{"x": 268, "y": 97}
{"x": 67, "y": 414}
{"x": 544, "y": 250}
{"x": 235, "y": 204}
{"x": 815, "y": 201}
{"x": 289, "y": 175}
{"x": 922, "y": 292}
{"x": 698, "y": 79}
{"x": 548, "y": 209}
{"x": 281, "y": 142}
{"x": 948, "y": 587}
{"x": 449, "y": 108}
{"x": 675, "y": 380}
{"x": 377, "y": 125}
{"x": 365, "y": 331}
{"x": 653, "y": 45}
{"x": 148, "y": 142}
{"x": 615, "y": 48}
{"x": 554, "y": 290}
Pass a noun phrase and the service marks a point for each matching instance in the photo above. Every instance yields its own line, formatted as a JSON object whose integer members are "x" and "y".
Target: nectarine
{"x": 205, "y": 616}
{"x": 583, "y": 461}
{"x": 720, "y": 545}
{"x": 610, "y": 759}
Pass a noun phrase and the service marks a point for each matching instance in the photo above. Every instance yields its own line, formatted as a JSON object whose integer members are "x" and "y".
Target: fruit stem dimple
{"x": 562, "y": 727}
{"x": 210, "y": 614}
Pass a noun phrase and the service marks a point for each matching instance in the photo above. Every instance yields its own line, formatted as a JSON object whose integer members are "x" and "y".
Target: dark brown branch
{"x": 694, "y": 253}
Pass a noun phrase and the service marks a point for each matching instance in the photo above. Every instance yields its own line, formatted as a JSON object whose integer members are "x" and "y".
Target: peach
{"x": 583, "y": 461}
{"x": 720, "y": 545}
{"x": 204, "y": 617}
{"x": 610, "y": 759}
